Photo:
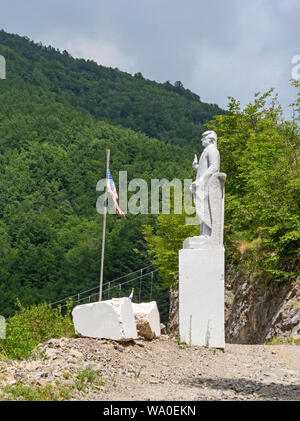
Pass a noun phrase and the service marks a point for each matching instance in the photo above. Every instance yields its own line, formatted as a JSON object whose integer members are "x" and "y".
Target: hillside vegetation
{"x": 170, "y": 113}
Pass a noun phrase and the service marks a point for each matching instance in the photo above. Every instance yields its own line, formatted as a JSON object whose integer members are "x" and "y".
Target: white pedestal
{"x": 201, "y": 297}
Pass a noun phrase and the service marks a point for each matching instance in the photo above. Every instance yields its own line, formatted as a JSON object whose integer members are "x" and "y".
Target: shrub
{"x": 33, "y": 325}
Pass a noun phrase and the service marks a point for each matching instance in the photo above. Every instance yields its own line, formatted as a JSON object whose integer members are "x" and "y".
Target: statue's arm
{"x": 213, "y": 158}
{"x": 213, "y": 166}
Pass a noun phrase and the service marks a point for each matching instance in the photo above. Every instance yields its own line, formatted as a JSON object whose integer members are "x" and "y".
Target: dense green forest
{"x": 58, "y": 116}
{"x": 164, "y": 111}
{"x": 56, "y": 123}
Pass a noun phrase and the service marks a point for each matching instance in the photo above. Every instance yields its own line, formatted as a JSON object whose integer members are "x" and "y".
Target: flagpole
{"x": 104, "y": 227}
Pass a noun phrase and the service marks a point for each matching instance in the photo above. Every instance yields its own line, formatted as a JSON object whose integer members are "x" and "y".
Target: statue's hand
{"x": 195, "y": 162}
{"x": 192, "y": 187}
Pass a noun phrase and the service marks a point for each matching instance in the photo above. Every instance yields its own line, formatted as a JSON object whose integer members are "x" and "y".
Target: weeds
{"x": 33, "y": 325}
{"x": 87, "y": 377}
{"x": 137, "y": 373}
{"x": 35, "y": 393}
{"x": 291, "y": 340}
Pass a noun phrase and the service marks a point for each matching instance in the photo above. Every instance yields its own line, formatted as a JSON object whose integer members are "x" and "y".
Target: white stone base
{"x": 201, "y": 297}
{"x": 111, "y": 319}
{"x": 147, "y": 319}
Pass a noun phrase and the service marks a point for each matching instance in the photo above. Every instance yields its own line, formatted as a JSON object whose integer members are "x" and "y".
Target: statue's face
{"x": 205, "y": 141}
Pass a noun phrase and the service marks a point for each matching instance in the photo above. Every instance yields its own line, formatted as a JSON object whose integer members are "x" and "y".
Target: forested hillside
{"x": 170, "y": 113}
{"x": 52, "y": 153}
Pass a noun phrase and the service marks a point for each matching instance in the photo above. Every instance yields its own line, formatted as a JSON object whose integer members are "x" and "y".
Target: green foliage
{"x": 291, "y": 340}
{"x": 35, "y": 393}
{"x": 34, "y": 325}
{"x": 165, "y": 240}
{"x": 162, "y": 110}
{"x": 50, "y": 232}
{"x": 87, "y": 378}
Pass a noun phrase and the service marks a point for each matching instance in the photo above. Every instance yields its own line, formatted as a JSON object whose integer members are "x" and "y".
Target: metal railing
{"x": 118, "y": 287}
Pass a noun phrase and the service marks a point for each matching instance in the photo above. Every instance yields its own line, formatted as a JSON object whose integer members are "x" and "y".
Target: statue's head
{"x": 209, "y": 137}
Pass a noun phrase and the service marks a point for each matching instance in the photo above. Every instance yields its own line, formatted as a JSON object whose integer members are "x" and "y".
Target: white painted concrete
{"x": 201, "y": 297}
{"x": 111, "y": 319}
{"x": 147, "y": 319}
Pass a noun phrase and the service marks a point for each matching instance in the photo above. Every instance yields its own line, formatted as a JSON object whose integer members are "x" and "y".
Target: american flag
{"x": 111, "y": 188}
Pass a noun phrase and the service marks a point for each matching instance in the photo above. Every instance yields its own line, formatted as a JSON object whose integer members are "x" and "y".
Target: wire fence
{"x": 142, "y": 280}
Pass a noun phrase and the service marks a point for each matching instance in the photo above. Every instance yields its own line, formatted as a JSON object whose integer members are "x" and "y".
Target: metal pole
{"x": 151, "y": 286}
{"x": 140, "y": 285}
{"x": 104, "y": 228}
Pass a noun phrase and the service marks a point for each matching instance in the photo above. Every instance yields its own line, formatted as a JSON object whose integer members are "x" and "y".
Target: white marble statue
{"x": 208, "y": 191}
{"x": 201, "y": 260}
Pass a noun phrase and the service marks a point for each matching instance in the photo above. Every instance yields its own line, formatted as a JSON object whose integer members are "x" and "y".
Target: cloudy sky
{"x": 216, "y": 48}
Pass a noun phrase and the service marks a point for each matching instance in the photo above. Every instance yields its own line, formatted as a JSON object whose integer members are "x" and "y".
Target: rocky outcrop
{"x": 260, "y": 313}
{"x": 173, "y": 325}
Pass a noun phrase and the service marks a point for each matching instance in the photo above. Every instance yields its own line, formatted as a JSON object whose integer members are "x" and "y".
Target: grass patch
{"x": 181, "y": 344}
{"x": 87, "y": 378}
{"x": 291, "y": 340}
{"x": 137, "y": 373}
{"x": 20, "y": 392}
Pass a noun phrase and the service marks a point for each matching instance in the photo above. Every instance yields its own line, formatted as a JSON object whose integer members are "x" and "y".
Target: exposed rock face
{"x": 147, "y": 319}
{"x": 110, "y": 319}
{"x": 253, "y": 315}
{"x": 260, "y": 314}
{"x": 173, "y": 327}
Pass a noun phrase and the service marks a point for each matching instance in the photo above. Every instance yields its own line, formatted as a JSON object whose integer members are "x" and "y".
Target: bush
{"x": 34, "y": 325}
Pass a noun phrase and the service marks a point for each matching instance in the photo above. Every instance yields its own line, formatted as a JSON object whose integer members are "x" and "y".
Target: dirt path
{"x": 163, "y": 370}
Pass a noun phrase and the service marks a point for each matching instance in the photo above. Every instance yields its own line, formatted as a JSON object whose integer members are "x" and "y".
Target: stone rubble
{"x": 160, "y": 370}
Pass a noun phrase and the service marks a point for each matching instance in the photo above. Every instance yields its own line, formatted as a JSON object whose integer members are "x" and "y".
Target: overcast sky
{"x": 216, "y": 48}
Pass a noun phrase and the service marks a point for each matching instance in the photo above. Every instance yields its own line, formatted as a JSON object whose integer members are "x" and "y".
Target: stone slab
{"x": 110, "y": 319}
{"x": 147, "y": 319}
{"x": 201, "y": 297}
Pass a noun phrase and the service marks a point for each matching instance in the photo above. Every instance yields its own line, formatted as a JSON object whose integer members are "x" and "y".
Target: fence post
{"x": 151, "y": 285}
{"x": 140, "y": 285}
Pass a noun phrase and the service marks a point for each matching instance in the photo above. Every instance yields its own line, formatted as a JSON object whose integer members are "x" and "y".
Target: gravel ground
{"x": 162, "y": 370}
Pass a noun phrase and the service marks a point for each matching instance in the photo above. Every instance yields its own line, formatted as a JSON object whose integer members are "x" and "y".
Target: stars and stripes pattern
{"x": 111, "y": 189}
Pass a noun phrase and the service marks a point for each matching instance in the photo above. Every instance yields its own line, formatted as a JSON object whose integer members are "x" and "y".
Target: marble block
{"x": 147, "y": 319}
{"x": 110, "y": 319}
